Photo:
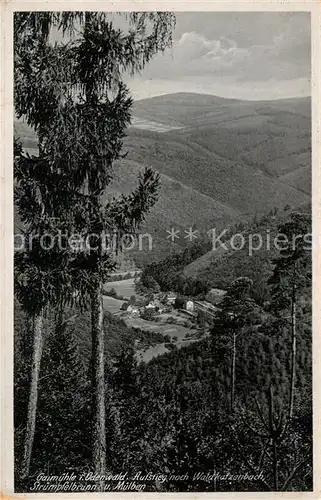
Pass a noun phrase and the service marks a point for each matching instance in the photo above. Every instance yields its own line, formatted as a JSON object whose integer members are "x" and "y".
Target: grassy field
{"x": 124, "y": 288}
{"x": 230, "y": 181}
{"x": 169, "y": 329}
{"x": 112, "y": 305}
{"x": 183, "y": 335}
{"x": 152, "y": 125}
{"x": 159, "y": 349}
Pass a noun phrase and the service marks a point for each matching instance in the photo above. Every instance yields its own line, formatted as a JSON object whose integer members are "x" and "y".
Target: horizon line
{"x": 223, "y": 97}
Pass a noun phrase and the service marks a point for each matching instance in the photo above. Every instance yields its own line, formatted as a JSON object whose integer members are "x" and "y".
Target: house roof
{"x": 132, "y": 307}
{"x": 217, "y": 291}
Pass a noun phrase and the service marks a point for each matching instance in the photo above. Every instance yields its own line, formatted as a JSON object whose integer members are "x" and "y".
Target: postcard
{"x": 160, "y": 261}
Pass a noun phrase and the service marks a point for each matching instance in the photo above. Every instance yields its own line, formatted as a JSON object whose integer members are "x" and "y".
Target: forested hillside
{"x": 272, "y": 136}
{"x": 243, "y": 249}
{"x": 228, "y": 161}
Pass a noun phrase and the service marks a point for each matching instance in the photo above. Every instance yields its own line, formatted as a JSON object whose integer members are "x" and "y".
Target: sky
{"x": 243, "y": 55}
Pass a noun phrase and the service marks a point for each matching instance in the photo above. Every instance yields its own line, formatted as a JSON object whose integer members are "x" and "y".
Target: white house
{"x": 132, "y": 310}
{"x": 189, "y": 305}
{"x": 155, "y": 304}
{"x": 171, "y": 297}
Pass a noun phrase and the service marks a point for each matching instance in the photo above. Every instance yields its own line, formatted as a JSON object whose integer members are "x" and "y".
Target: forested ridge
{"x": 206, "y": 263}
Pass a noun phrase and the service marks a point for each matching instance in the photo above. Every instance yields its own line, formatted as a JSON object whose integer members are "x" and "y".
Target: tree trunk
{"x": 98, "y": 339}
{"x": 273, "y": 439}
{"x": 98, "y": 383}
{"x": 293, "y": 353}
{"x": 233, "y": 372}
{"x": 33, "y": 394}
{"x": 275, "y": 466}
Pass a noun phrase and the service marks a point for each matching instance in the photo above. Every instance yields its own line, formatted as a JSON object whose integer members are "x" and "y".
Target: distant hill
{"x": 220, "y": 160}
{"x": 183, "y": 108}
{"x": 272, "y": 136}
{"x": 179, "y": 206}
{"x": 180, "y": 109}
{"x": 232, "y": 182}
{"x": 246, "y": 249}
{"x": 178, "y": 203}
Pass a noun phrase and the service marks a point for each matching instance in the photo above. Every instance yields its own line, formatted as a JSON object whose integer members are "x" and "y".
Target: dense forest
{"x": 220, "y": 404}
{"x": 202, "y": 266}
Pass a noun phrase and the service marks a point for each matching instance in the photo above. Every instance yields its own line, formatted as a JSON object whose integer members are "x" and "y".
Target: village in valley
{"x": 180, "y": 319}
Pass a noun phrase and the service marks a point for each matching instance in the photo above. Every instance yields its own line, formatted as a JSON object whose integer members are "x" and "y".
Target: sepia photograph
{"x": 162, "y": 166}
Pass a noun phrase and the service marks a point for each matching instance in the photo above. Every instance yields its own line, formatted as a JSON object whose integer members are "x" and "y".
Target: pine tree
{"x": 125, "y": 389}
{"x": 39, "y": 279}
{"x": 64, "y": 401}
{"x": 238, "y": 311}
{"x": 291, "y": 276}
{"x": 73, "y": 95}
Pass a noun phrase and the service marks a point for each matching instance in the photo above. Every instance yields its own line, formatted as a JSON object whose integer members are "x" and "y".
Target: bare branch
{"x": 294, "y": 471}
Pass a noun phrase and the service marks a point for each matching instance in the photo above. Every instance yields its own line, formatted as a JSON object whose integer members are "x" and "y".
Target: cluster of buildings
{"x": 210, "y": 305}
{"x": 161, "y": 303}
{"x": 165, "y": 302}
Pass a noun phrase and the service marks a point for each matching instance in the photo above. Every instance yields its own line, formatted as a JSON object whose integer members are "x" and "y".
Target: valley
{"x": 223, "y": 163}
{"x": 177, "y": 334}
{"x": 220, "y": 161}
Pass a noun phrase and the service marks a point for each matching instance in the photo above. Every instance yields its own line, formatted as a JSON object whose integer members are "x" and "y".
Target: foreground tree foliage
{"x": 41, "y": 272}
{"x": 72, "y": 94}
